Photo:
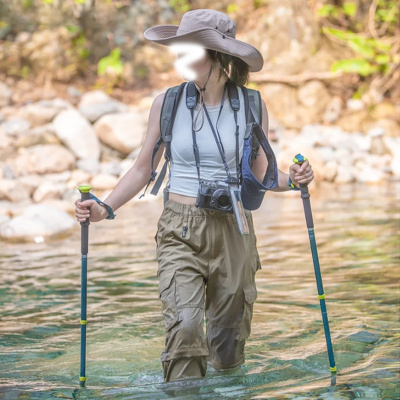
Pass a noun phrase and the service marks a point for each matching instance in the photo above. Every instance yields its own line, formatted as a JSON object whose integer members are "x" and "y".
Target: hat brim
{"x": 209, "y": 38}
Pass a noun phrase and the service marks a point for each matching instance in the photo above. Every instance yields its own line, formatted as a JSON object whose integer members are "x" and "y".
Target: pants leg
{"x": 231, "y": 292}
{"x": 182, "y": 292}
{"x": 197, "y": 247}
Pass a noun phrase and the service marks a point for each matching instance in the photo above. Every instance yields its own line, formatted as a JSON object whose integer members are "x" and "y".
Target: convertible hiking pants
{"x": 204, "y": 265}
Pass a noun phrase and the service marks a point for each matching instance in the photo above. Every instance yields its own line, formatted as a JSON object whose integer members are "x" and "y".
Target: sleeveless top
{"x": 183, "y": 173}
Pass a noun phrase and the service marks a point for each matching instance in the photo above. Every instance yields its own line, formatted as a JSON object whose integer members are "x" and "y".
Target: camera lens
{"x": 222, "y": 199}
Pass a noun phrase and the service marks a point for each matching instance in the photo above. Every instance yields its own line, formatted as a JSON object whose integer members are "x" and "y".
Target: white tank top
{"x": 183, "y": 174}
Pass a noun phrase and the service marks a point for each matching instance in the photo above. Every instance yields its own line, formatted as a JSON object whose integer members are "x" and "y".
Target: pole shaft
{"x": 83, "y": 321}
{"x": 305, "y": 195}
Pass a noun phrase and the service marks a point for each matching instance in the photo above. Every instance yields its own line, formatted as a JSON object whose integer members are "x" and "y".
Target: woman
{"x": 204, "y": 264}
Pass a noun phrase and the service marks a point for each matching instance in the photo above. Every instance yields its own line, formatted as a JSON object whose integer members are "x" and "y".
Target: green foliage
{"x": 258, "y": 3}
{"x": 374, "y": 54}
{"x": 111, "y": 63}
{"x": 348, "y": 8}
{"x": 231, "y": 8}
{"x": 357, "y": 65}
{"x": 179, "y": 5}
{"x": 80, "y": 46}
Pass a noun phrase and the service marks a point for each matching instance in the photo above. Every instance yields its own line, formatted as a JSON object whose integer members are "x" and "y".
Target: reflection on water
{"x": 357, "y": 233}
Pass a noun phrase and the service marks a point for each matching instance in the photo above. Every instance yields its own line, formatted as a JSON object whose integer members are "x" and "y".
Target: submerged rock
{"x": 364, "y": 337}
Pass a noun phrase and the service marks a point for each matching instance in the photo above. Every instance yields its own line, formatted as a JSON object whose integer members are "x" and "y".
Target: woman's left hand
{"x": 301, "y": 173}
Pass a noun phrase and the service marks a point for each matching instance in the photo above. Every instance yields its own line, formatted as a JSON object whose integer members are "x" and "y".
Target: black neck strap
{"x": 191, "y": 101}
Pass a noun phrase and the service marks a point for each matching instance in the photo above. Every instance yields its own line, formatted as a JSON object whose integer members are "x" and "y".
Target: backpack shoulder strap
{"x": 255, "y": 104}
{"x": 167, "y": 117}
{"x": 253, "y": 110}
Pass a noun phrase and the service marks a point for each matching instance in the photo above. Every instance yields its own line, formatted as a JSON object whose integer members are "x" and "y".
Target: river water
{"x": 357, "y": 233}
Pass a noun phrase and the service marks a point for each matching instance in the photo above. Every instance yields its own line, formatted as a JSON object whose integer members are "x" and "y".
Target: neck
{"x": 214, "y": 87}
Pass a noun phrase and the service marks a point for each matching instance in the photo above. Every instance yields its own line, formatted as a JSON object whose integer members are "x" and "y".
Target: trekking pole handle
{"x": 85, "y": 195}
{"x": 299, "y": 159}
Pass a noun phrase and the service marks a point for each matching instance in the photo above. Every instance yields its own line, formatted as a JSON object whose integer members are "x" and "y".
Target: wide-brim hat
{"x": 213, "y": 30}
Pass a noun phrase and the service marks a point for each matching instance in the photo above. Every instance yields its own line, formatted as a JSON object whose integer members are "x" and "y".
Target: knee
{"x": 189, "y": 333}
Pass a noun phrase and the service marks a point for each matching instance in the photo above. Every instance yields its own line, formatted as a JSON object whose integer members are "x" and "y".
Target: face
{"x": 192, "y": 61}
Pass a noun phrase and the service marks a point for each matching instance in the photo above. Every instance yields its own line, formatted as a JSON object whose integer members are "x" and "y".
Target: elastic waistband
{"x": 181, "y": 208}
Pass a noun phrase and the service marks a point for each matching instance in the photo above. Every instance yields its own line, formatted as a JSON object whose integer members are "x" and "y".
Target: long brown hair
{"x": 234, "y": 67}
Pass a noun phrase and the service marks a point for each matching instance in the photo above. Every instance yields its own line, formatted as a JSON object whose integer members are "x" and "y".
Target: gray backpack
{"x": 168, "y": 113}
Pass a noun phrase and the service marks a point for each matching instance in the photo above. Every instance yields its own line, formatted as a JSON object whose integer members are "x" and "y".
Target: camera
{"x": 214, "y": 195}
{"x": 223, "y": 196}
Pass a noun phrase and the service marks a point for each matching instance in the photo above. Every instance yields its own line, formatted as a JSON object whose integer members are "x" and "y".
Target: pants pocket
{"x": 170, "y": 298}
{"x": 258, "y": 261}
{"x": 249, "y": 297}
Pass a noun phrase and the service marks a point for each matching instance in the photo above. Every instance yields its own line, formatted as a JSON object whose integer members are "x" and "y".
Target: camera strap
{"x": 217, "y": 140}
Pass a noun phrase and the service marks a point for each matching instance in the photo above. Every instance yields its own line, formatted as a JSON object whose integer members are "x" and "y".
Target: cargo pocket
{"x": 249, "y": 297}
{"x": 170, "y": 299}
{"x": 258, "y": 261}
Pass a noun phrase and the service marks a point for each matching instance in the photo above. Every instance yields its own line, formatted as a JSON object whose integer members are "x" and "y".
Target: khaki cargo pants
{"x": 204, "y": 266}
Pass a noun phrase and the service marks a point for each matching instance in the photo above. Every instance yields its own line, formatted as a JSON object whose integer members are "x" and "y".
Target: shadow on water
{"x": 357, "y": 233}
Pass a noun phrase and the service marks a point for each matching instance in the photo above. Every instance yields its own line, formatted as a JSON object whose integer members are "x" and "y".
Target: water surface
{"x": 357, "y": 233}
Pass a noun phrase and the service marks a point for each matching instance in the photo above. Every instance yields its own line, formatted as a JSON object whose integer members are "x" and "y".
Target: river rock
{"x": 15, "y": 126}
{"x": 78, "y": 177}
{"x": 326, "y": 153}
{"x": 37, "y": 223}
{"x": 89, "y": 165}
{"x": 110, "y": 168}
{"x": 362, "y": 142}
{"x": 314, "y": 94}
{"x": 369, "y": 175}
{"x": 123, "y": 132}
{"x": 355, "y": 104}
{"x": 395, "y": 166}
{"x": 44, "y": 111}
{"x": 42, "y": 159}
{"x": 44, "y": 134}
{"x": 329, "y": 170}
{"x": 10, "y": 190}
{"x": 5, "y": 95}
{"x": 286, "y": 107}
{"x": 49, "y": 190}
{"x": 77, "y": 133}
{"x": 104, "y": 182}
{"x": 30, "y": 182}
{"x": 126, "y": 165}
{"x": 4, "y": 218}
{"x": 364, "y": 337}
{"x": 333, "y": 109}
{"x": 96, "y": 103}
{"x": 345, "y": 174}
{"x": 343, "y": 156}
{"x": 378, "y": 144}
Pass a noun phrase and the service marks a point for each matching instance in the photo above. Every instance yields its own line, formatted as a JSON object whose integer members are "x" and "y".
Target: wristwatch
{"x": 292, "y": 186}
{"x": 110, "y": 211}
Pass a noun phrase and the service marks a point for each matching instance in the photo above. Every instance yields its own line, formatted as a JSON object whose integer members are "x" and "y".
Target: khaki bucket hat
{"x": 212, "y": 29}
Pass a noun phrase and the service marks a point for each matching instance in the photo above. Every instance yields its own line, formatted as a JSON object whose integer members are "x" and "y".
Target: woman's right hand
{"x": 95, "y": 213}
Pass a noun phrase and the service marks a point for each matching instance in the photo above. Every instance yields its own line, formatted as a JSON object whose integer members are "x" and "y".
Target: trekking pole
{"x": 85, "y": 195}
{"x": 299, "y": 159}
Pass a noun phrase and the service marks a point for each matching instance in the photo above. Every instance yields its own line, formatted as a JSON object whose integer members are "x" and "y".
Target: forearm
{"x": 127, "y": 188}
{"x": 282, "y": 182}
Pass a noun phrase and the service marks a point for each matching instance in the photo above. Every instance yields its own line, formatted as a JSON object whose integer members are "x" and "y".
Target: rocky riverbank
{"x": 49, "y": 147}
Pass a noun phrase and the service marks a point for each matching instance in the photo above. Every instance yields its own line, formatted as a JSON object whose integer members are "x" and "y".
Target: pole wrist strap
{"x": 110, "y": 211}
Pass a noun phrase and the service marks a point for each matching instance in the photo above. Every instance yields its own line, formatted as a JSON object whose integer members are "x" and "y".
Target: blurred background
{"x": 77, "y": 79}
